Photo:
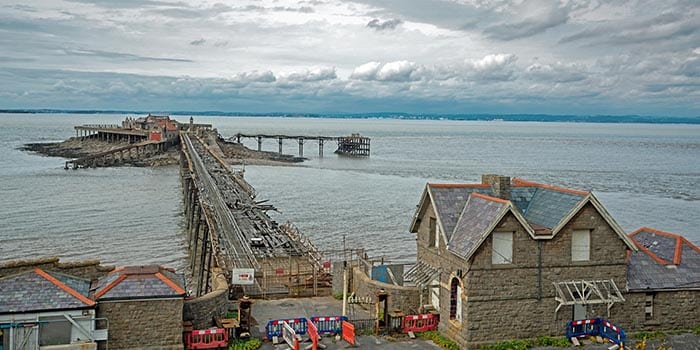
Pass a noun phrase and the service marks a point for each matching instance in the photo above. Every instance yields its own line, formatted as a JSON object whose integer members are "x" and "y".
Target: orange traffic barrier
{"x": 348, "y": 332}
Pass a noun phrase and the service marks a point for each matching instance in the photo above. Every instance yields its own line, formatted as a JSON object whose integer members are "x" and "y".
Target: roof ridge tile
{"x": 64, "y": 287}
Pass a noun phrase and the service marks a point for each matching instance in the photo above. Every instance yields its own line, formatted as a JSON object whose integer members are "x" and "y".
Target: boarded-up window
{"x": 649, "y": 306}
{"x": 435, "y": 294}
{"x": 55, "y": 331}
{"x": 433, "y": 231}
{"x": 454, "y": 296}
{"x": 581, "y": 245}
{"x": 502, "y": 252}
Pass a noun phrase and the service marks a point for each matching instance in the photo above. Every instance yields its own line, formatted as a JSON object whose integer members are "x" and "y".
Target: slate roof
{"x": 544, "y": 205}
{"x": 541, "y": 208}
{"x": 139, "y": 282}
{"x": 38, "y": 290}
{"x": 449, "y": 201}
{"x": 478, "y": 215}
{"x": 664, "y": 261}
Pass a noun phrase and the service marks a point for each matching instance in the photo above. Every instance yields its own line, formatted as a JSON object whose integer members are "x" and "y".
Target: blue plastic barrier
{"x": 583, "y": 328}
{"x": 274, "y": 327}
{"x": 329, "y": 324}
{"x": 612, "y": 332}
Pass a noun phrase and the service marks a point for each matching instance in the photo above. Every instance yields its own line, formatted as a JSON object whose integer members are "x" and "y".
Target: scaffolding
{"x": 587, "y": 292}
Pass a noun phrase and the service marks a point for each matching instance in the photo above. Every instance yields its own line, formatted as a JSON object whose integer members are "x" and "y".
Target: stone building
{"x": 144, "y": 306}
{"x": 508, "y": 259}
{"x": 47, "y": 310}
{"x": 663, "y": 280}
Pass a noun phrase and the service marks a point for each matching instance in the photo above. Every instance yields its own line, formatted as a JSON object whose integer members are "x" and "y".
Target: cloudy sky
{"x": 416, "y": 56}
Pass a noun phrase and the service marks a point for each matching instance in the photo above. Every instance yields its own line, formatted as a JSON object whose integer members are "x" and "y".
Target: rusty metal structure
{"x": 353, "y": 145}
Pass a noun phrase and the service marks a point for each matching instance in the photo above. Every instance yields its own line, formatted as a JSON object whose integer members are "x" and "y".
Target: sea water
{"x": 645, "y": 175}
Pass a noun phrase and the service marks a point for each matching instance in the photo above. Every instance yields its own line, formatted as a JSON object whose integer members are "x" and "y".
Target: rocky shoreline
{"x": 234, "y": 153}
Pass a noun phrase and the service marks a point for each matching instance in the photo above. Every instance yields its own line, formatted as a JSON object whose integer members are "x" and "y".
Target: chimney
{"x": 499, "y": 184}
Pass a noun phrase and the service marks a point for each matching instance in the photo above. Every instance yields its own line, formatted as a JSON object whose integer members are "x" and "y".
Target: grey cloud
{"x": 558, "y": 72}
{"x": 198, "y": 42}
{"x": 668, "y": 26}
{"x": 691, "y": 68}
{"x": 254, "y": 77}
{"x": 130, "y": 3}
{"x": 318, "y": 74}
{"x": 517, "y": 29}
{"x": 303, "y": 9}
{"x": 121, "y": 56}
{"x": 388, "y": 24}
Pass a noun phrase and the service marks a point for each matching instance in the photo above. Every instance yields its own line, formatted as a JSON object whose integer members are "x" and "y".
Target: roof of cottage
{"x": 542, "y": 209}
{"x": 139, "y": 282}
{"x": 39, "y": 290}
{"x": 478, "y": 216}
{"x": 664, "y": 261}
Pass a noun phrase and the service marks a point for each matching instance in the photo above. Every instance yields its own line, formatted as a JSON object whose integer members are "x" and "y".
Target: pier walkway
{"x": 229, "y": 229}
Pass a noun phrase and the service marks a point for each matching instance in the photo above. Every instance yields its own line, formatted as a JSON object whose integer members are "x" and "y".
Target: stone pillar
{"x": 301, "y": 147}
{"x": 280, "y": 143}
{"x": 259, "y": 142}
{"x": 320, "y": 148}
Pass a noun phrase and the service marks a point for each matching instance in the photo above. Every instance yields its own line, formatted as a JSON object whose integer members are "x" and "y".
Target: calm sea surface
{"x": 646, "y": 175}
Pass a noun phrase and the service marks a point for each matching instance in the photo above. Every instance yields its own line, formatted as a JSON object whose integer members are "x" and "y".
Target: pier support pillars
{"x": 238, "y": 139}
{"x": 301, "y": 147}
{"x": 280, "y": 143}
{"x": 259, "y": 142}
{"x": 320, "y": 148}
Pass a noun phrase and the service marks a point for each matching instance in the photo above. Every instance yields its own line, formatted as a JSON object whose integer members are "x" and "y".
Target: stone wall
{"x": 143, "y": 324}
{"x": 87, "y": 269}
{"x": 401, "y": 298}
{"x": 517, "y": 300}
{"x": 203, "y": 310}
{"x": 673, "y": 310}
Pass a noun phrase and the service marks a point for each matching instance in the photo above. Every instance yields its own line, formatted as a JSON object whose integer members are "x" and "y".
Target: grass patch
{"x": 250, "y": 344}
{"x": 232, "y": 314}
{"x": 696, "y": 329}
{"x": 559, "y": 342}
{"x": 338, "y": 296}
{"x": 655, "y": 335}
{"x": 521, "y": 344}
{"x": 439, "y": 339}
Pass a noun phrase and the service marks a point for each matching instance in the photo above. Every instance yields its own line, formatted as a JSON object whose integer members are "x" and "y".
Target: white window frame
{"x": 502, "y": 248}
{"x": 458, "y": 316}
{"x": 437, "y": 235}
{"x": 435, "y": 294}
{"x": 581, "y": 245}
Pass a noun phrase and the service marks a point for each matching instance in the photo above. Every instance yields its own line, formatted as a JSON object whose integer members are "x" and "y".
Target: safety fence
{"x": 348, "y": 332}
{"x": 213, "y": 338}
{"x": 325, "y": 325}
{"x": 419, "y": 323}
{"x": 595, "y": 327}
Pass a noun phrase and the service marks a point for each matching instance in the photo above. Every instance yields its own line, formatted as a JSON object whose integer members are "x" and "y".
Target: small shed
{"x": 144, "y": 306}
{"x": 47, "y": 310}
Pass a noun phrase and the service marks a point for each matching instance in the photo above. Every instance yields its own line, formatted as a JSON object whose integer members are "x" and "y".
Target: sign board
{"x": 243, "y": 276}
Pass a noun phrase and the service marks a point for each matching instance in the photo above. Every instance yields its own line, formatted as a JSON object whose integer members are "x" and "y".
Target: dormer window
{"x": 432, "y": 232}
{"x": 581, "y": 245}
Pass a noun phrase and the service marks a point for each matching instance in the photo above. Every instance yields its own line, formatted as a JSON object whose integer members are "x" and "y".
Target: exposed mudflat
{"x": 233, "y": 152}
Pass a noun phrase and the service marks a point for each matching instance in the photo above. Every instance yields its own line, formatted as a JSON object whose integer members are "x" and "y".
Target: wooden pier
{"x": 353, "y": 145}
{"x": 228, "y": 229}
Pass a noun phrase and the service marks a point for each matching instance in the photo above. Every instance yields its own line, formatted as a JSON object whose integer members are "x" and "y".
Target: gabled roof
{"x": 139, "y": 282}
{"x": 480, "y": 216}
{"x": 665, "y": 261}
{"x": 39, "y": 290}
{"x": 448, "y": 201}
{"x": 543, "y": 210}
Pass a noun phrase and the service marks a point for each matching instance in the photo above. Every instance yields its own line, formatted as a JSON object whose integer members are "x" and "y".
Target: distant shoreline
{"x": 637, "y": 119}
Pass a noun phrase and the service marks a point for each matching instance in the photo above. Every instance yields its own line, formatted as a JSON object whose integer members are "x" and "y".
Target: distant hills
{"x": 398, "y": 115}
